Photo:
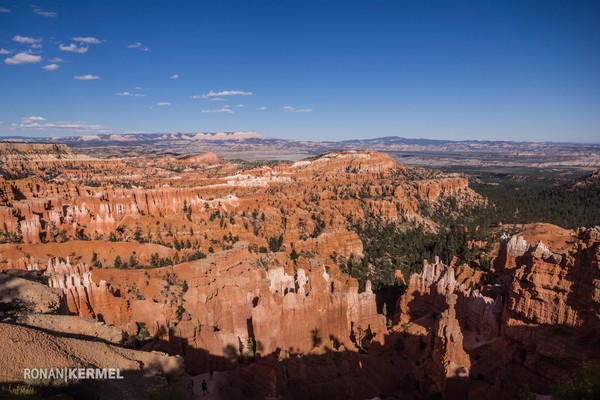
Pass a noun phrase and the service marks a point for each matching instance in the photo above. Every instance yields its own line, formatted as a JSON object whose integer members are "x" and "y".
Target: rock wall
{"x": 532, "y": 320}
{"x": 551, "y": 316}
{"x": 227, "y": 298}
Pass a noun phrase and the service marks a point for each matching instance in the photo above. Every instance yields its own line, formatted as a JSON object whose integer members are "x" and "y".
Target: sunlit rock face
{"x": 226, "y": 299}
{"x": 69, "y": 196}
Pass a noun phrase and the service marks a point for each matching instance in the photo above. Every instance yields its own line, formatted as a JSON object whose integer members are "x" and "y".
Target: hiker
{"x": 497, "y": 311}
{"x": 204, "y": 388}
{"x": 210, "y": 375}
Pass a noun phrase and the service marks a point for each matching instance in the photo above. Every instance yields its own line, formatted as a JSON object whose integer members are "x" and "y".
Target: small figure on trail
{"x": 205, "y": 387}
{"x": 210, "y": 375}
{"x": 497, "y": 311}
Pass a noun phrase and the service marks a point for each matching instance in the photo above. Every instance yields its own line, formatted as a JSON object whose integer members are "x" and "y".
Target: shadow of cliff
{"x": 63, "y": 334}
{"x": 581, "y": 297}
{"x": 329, "y": 371}
{"x": 400, "y": 368}
{"x": 388, "y": 296}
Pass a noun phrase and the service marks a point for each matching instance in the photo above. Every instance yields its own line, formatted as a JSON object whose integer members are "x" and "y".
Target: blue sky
{"x": 312, "y": 70}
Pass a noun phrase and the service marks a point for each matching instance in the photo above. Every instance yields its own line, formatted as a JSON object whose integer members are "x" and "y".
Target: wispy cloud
{"x": 23, "y": 58}
{"x": 217, "y": 99}
{"x": 221, "y": 94}
{"x": 86, "y": 77}
{"x": 139, "y": 46}
{"x": 4, "y": 10}
{"x": 175, "y": 76}
{"x": 51, "y": 67}
{"x": 87, "y": 40}
{"x": 4, "y": 52}
{"x": 38, "y": 123}
{"x": 297, "y": 110}
{"x": 47, "y": 14}
{"x": 27, "y": 40}
{"x": 73, "y": 48}
{"x": 261, "y": 108}
{"x": 127, "y": 94}
{"x": 137, "y": 88}
{"x": 163, "y": 104}
{"x": 240, "y": 106}
{"x": 56, "y": 60}
{"x": 224, "y": 109}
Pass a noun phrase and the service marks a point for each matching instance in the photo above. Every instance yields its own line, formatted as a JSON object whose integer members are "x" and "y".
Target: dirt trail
{"x": 219, "y": 381}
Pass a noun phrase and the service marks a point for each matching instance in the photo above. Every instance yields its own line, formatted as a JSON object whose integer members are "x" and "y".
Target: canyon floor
{"x": 341, "y": 275}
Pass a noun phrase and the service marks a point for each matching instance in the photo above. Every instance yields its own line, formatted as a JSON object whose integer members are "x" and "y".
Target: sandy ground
{"x": 24, "y": 347}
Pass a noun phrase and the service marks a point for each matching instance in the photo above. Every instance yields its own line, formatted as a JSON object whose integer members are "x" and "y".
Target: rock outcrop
{"x": 448, "y": 354}
{"x": 551, "y": 317}
{"x": 532, "y": 320}
{"x": 227, "y": 299}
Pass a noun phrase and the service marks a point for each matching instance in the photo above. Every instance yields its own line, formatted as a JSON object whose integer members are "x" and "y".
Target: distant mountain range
{"x": 252, "y": 146}
{"x": 140, "y": 137}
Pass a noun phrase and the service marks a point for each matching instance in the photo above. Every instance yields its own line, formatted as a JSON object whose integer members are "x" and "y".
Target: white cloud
{"x": 38, "y": 123}
{"x": 176, "y": 76}
{"x": 86, "y": 77}
{"x": 32, "y": 119}
{"x": 228, "y": 93}
{"x": 23, "y": 58}
{"x": 87, "y": 40}
{"x": 36, "y": 46}
{"x": 127, "y": 94}
{"x": 56, "y": 60}
{"x": 4, "y": 10}
{"x": 27, "y": 39}
{"x": 297, "y": 110}
{"x": 51, "y": 67}
{"x": 138, "y": 45}
{"x": 163, "y": 104}
{"x": 261, "y": 108}
{"x": 223, "y": 93}
{"x": 137, "y": 88}
{"x": 4, "y": 52}
{"x": 224, "y": 109}
{"x": 47, "y": 14}
{"x": 73, "y": 48}
{"x": 240, "y": 106}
